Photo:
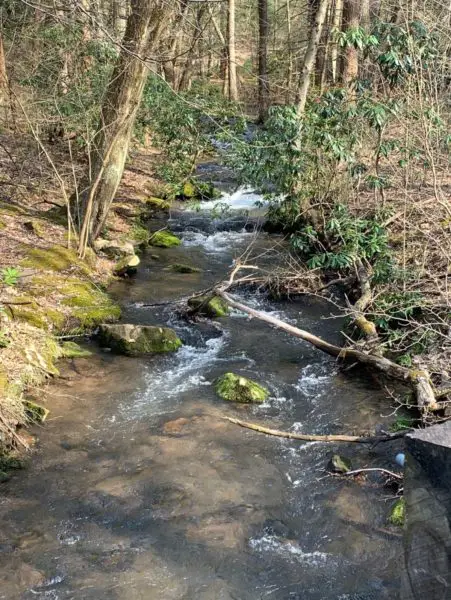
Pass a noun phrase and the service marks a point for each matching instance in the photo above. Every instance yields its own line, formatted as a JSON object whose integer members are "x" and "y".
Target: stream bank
{"x": 140, "y": 488}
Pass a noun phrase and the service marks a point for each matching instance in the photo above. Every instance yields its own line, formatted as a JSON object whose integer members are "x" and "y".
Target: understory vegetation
{"x": 343, "y": 126}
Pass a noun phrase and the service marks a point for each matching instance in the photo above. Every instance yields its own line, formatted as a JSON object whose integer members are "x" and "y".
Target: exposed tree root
{"x": 317, "y": 438}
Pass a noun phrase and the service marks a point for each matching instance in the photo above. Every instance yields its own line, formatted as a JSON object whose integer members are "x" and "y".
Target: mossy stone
{"x": 164, "y": 239}
{"x": 35, "y": 227}
{"x": 182, "y": 268}
{"x": 127, "y": 265}
{"x": 339, "y": 464}
{"x": 157, "y": 203}
{"x": 56, "y": 258}
{"x": 134, "y": 340}
{"x": 71, "y": 349}
{"x": 189, "y": 189}
{"x": 236, "y": 388}
{"x": 35, "y": 412}
{"x": 398, "y": 513}
{"x": 209, "y": 306}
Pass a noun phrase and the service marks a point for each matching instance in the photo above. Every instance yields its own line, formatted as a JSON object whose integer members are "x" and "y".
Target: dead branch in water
{"x": 305, "y": 437}
{"x": 417, "y": 378}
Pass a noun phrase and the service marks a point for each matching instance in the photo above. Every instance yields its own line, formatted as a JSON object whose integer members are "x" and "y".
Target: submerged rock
{"x": 339, "y": 464}
{"x": 73, "y": 350}
{"x": 182, "y": 268}
{"x": 209, "y": 306}
{"x": 164, "y": 239}
{"x": 236, "y": 388}
{"x": 127, "y": 265}
{"x": 134, "y": 340}
{"x": 35, "y": 412}
{"x": 398, "y": 513}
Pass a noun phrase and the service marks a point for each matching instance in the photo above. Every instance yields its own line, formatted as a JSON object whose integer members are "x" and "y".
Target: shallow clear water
{"x": 140, "y": 490}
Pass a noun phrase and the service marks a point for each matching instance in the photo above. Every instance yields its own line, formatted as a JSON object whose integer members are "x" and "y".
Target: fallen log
{"x": 305, "y": 437}
{"x": 418, "y": 379}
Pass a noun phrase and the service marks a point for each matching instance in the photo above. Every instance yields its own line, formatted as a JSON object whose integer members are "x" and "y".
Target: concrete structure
{"x": 427, "y": 535}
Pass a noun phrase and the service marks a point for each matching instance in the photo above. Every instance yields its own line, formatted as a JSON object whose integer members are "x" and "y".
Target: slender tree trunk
{"x": 310, "y": 54}
{"x": 233, "y": 87}
{"x": 185, "y": 79}
{"x": 290, "y": 55}
{"x": 336, "y": 26}
{"x": 263, "y": 81}
{"x": 110, "y": 145}
{"x": 4, "y": 89}
{"x": 351, "y": 20}
{"x": 119, "y": 17}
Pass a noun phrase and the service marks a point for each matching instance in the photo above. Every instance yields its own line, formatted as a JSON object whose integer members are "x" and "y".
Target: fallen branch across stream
{"x": 305, "y": 437}
{"x": 418, "y": 379}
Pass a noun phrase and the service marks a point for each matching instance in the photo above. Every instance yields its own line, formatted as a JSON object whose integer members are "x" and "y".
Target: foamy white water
{"x": 242, "y": 198}
{"x": 289, "y": 550}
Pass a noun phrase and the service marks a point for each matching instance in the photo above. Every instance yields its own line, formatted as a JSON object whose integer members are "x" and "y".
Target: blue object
{"x": 400, "y": 459}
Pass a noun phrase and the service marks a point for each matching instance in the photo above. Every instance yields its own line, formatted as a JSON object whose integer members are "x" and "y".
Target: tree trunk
{"x": 119, "y": 17}
{"x": 336, "y": 26}
{"x": 263, "y": 82}
{"x": 110, "y": 144}
{"x": 351, "y": 20}
{"x": 310, "y": 54}
{"x": 4, "y": 89}
{"x": 185, "y": 79}
{"x": 233, "y": 88}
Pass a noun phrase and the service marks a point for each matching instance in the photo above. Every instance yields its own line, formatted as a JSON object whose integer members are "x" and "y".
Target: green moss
{"x": 10, "y": 209}
{"x": 127, "y": 265}
{"x": 55, "y": 318}
{"x": 158, "y": 203}
{"x": 182, "y": 268}
{"x": 28, "y": 313}
{"x": 2, "y": 224}
{"x": 71, "y": 349}
{"x": 209, "y": 306}
{"x": 134, "y": 340}
{"x": 339, "y": 464}
{"x": 35, "y": 227}
{"x": 139, "y": 233}
{"x": 398, "y": 513}
{"x": 42, "y": 357}
{"x": 235, "y": 388}
{"x": 164, "y": 239}
{"x": 10, "y": 462}
{"x": 189, "y": 190}
{"x": 3, "y": 383}
{"x": 35, "y": 412}
{"x": 56, "y": 258}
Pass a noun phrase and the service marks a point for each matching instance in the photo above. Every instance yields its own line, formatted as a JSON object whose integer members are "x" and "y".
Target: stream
{"x": 140, "y": 491}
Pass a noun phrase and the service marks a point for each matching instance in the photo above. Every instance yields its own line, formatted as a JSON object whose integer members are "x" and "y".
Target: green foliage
{"x": 184, "y": 124}
{"x": 9, "y": 276}
{"x": 393, "y": 309}
{"x": 402, "y": 423}
{"x": 4, "y": 339}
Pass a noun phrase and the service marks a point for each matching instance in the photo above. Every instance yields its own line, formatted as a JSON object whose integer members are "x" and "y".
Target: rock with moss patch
{"x": 339, "y": 464}
{"x": 209, "y": 306}
{"x": 35, "y": 227}
{"x": 35, "y": 412}
{"x": 236, "y": 388}
{"x": 164, "y": 239}
{"x": 127, "y": 266}
{"x": 134, "y": 340}
{"x": 114, "y": 248}
{"x": 189, "y": 190}
{"x": 157, "y": 203}
{"x": 71, "y": 349}
{"x": 182, "y": 268}
{"x": 398, "y": 513}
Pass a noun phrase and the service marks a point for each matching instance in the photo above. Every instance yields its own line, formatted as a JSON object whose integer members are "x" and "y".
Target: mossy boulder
{"x": 182, "y": 268}
{"x": 236, "y": 388}
{"x": 164, "y": 239}
{"x": 56, "y": 258}
{"x": 189, "y": 190}
{"x": 157, "y": 203}
{"x": 209, "y": 306}
{"x": 398, "y": 513}
{"x": 134, "y": 340}
{"x": 339, "y": 464}
{"x": 126, "y": 266}
{"x": 71, "y": 349}
{"x": 114, "y": 248}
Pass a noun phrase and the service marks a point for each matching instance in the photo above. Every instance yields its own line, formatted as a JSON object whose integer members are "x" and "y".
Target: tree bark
{"x": 351, "y": 20}
{"x": 185, "y": 79}
{"x": 119, "y": 17}
{"x": 233, "y": 87}
{"x": 263, "y": 81}
{"x": 122, "y": 98}
{"x": 336, "y": 26}
{"x": 310, "y": 55}
{"x": 4, "y": 89}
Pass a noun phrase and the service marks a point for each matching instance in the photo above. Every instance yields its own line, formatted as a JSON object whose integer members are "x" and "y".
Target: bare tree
{"x": 110, "y": 145}
{"x": 233, "y": 87}
{"x": 263, "y": 80}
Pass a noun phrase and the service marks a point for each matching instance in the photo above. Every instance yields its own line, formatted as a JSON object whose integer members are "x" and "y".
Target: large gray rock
{"x": 114, "y": 248}
{"x": 427, "y": 533}
{"x": 134, "y": 340}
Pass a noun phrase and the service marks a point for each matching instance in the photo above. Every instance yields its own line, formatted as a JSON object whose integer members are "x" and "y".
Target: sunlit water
{"x": 140, "y": 490}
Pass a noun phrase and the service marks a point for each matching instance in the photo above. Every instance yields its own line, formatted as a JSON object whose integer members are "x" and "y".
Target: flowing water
{"x": 141, "y": 491}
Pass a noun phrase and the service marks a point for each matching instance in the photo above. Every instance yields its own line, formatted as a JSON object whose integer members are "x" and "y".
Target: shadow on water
{"x": 141, "y": 490}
